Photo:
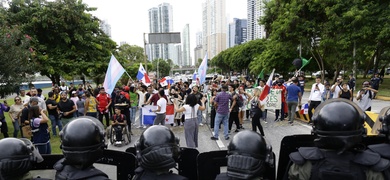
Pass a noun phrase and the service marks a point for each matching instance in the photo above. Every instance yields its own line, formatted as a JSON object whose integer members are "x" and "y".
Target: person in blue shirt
{"x": 294, "y": 96}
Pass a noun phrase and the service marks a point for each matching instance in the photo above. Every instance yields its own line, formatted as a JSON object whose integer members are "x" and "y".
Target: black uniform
{"x": 143, "y": 174}
{"x": 70, "y": 172}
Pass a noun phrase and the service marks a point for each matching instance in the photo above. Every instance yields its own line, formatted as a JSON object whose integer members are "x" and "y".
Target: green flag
{"x": 305, "y": 62}
{"x": 261, "y": 75}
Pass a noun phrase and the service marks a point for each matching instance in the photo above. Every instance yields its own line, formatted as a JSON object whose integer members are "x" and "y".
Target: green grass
{"x": 54, "y": 141}
{"x": 384, "y": 88}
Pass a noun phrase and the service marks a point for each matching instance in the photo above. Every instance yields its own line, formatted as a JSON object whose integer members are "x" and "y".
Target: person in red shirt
{"x": 104, "y": 102}
{"x": 279, "y": 85}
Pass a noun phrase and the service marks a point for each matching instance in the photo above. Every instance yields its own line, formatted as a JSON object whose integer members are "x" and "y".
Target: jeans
{"x": 55, "y": 122}
{"x": 281, "y": 111}
{"x": 133, "y": 111}
{"x": 292, "y": 106}
{"x": 224, "y": 119}
{"x": 264, "y": 115}
{"x": 16, "y": 127}
{"x": 44, "y": 148}
{"x": 200, "y": 116}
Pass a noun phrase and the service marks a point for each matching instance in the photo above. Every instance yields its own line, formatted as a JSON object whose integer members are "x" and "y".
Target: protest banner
{"x": 274, "y": 99}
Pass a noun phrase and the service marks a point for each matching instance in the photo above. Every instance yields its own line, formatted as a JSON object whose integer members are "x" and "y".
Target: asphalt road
{"x": 274, "y": 133}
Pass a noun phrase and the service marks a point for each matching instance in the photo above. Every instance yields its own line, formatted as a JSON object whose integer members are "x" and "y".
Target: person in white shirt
{"x": 315, "y": 96}
{"x": 141, "y": 95}
{"x": 336, "y": 88}
{"x": 191, "y": 127}
{"x": 33, "y": 93}
{"x": 365, "y": 95}
{"x": 161, "y": 109}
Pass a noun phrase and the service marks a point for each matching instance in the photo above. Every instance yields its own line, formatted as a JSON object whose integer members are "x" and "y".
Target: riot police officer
{"x": 248, "y": 157}
{"x": 338, "y": 126}
{"x": 157, "y": 152}
{"x": 82, "y": 143}
{"x": 384, "y": 148}
{"x": 16, "y": 158}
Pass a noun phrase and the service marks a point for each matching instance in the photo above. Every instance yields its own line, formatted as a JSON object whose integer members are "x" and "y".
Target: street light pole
{"x": 146, "y": 65}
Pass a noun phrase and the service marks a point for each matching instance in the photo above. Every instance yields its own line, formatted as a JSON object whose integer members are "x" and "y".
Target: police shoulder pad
{"x": 381, "y": 149}
{"x": 306, "y": 153}
{"x": 372, "y": 159}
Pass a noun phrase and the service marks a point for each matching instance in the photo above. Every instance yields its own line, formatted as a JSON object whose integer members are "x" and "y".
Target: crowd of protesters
{"x": 229, "y": 101}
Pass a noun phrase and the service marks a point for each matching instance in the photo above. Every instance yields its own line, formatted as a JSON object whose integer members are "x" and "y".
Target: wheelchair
{"x": 126, "y": 135}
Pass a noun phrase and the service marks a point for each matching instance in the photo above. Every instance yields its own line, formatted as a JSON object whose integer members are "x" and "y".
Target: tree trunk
{"x": 369, "y": 63}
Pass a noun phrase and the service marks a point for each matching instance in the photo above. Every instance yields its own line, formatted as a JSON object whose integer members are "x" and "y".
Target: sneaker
{"x": 277, "y": 120}
{"x": 227, "y": 138}
{"x": 201, "y": 124}
{"x": 265, "y": 122}
{"x": 236, "y": 130}
{"x": 118, "y": 142}
{"x": 144, "y": 127}
{"x": 213, "y": 138}
{"x": 229, "y": 132}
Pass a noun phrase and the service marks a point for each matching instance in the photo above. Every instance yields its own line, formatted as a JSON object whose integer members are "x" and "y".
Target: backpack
{"x": 239, "y": 100}
{"x": 121, "y": 118}
{"x": 121, "y": 98}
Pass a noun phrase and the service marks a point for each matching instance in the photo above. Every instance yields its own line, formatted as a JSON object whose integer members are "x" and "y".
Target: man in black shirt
{"x": 53, "y": 113}
{"x": 66, "y": 108}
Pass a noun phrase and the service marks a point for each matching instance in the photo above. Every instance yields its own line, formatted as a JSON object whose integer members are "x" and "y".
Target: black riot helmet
{"x": 82, "y": 142}
{"x": 17, "y": 157}
{"x": 157, "y": 148}
{"x": 248, "y": 154}
{"x": 339, "y": 124}
{"x": 384, "y": 120}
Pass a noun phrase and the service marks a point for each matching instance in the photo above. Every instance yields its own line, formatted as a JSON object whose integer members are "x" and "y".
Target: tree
{"x": 67, "y": 39}
{"x": 329, "y": 30}
{"x": 163, "y": 67}
{"x": 15, "y": 62}
{"x": 239, "y": 57}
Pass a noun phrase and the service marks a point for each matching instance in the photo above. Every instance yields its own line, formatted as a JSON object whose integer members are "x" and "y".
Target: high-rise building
{"x": 161, "y": 21}
{"x": 105, "y": 27}
{"x": 177, "y": 55}
{"x": 255, "y": 11}
{"x": 198, "y": 50}
{"x": 237, "y": 32}
{"x": 186, "y": 46}
{"x": 214, "y": 27}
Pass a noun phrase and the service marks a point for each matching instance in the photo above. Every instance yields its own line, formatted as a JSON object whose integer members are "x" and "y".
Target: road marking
{"x": 219, "y": 142}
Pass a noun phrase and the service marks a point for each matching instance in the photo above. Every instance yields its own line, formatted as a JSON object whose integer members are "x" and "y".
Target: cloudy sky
{"x": 129, "y": 18}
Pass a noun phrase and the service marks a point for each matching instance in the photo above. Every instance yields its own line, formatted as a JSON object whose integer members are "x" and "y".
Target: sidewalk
{"x": 377, "y": 104}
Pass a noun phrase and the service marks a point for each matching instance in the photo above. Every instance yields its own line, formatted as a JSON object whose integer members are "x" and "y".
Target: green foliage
{"x": 328, "y": 30}
{"x": 163, "y": 67}
{"x": 15, "y": 62}
{"x": 66, "y": 39}
{"x": 239, "y": 57}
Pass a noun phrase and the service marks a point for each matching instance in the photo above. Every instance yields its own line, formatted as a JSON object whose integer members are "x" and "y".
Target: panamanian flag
{"x": 143, "y": 76}
{"x": 147, "y": 115}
